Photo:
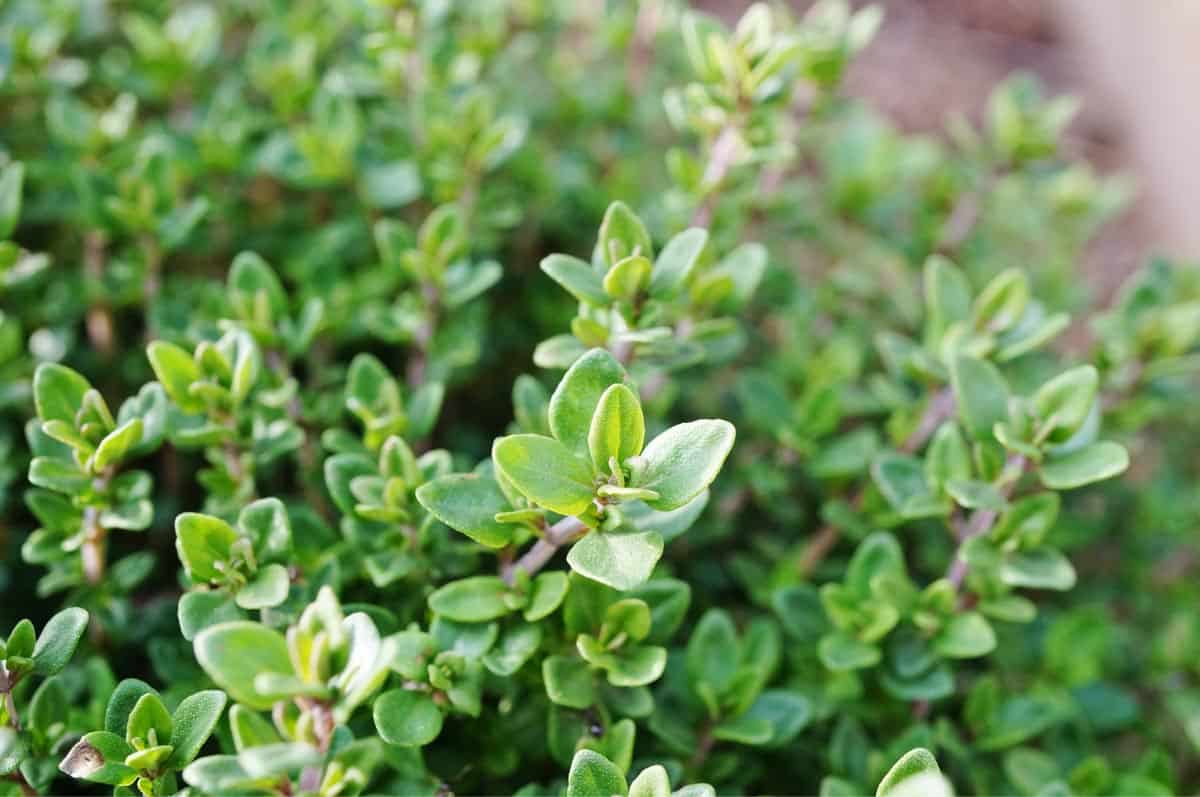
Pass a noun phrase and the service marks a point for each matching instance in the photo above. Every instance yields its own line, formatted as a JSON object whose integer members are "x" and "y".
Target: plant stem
{"x": 308, "y": 454}
{"x": 704, "y": 746}
{"x": 940, "y": 409}
{"x": 564, "y": 531}
{"x": 99, "y": 320}
{"x": 418, "y": 363}
{"x": 26, "y": 789}
{"x": 965, "y": 214}
{"x": 720, "y": 161}
{"x": 11, "y": 705}
{"x": 981, "y": 520}
{"x": 95, "y": 536}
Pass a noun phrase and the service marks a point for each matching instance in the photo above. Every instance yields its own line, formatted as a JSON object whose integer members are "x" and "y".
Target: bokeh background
{"x": 1134, "y": 64}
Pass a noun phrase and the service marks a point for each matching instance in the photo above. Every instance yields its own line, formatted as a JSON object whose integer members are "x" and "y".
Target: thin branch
{"x": 561, "y": 533}
{"x": 981, "y": 520}
{"x": 11, "y": 705}
{"x": 720, "y": 161}
{"x": 99, "y": 321}
{"x": 95, "y": 536}
{"x": 26, "y": 789}
{"x": 418, "y": 363}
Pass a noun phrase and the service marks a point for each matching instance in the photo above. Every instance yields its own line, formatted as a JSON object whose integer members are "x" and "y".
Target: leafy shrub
{"x": 538, "y": 396}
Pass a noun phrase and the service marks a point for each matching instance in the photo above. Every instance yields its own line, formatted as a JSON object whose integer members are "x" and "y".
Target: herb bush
{"x": 519, "y": 397}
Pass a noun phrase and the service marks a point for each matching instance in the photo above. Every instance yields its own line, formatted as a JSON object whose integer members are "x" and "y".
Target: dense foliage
{"x": 532, "y": 395}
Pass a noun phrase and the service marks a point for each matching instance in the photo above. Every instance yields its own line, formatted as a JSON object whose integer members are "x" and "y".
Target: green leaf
{"x": 593, "y": 775}
{"x": 407, "y": 718}
{"x": 981, "y": 393}
{"x": 1002, "y": 302}
{"x": 1040, "y": 568}
{"x": 713, "y": 652}
{"x": 198, "y": 610}
{"x": 471, "y": 600}
{"x": 973, "y": 494}
{"x": 121, "y": 702}
{"x": 545, "y": 472}
{"x": 176, "y": 371}
{"x": 21, "y": 640}
{"x": 618, "y": 428}
{"x": 947, "y": 297}
{"x": 1093, "y": 463}
{"x": 391, "y": 185}
{"x": 916, "y": 774}
{"x": 1063, "y": 403}
{"x": 668, "y": 599}
{"x": 743, "y": 269}
{"x": 578, "y": 278}
{"x": 269, "y": 587}
{"x": 841, "y": 652}
{"x": 651, "y": 782}
{"x": 268, "y": 526}
{"x": 58, "y": 640}
{"x": 275, "y": 760}
{"x": 194, "y": 720}
{"x": 114, "y": 446}
{"x": 637, "y": 666}
{"x": 250, "y": 729}
{"x": 202, "y": 541}
{"x": 58, "y": 392}
{"x": 1028, "y": 520}
{"x": 255, "y": 291}
{"x": 151, "y": 757}
{"x": 560, "y": 351}
{"x": 569, "y": 681}
{"x": 48, "y": 706}
{"x": 11, "y": 178}
{"x": 621, "y": 560}
{"x": 58, "y": 475}
{"x": 574, "y": 401}
{"x": 99, "y": 757}
{"x": 148, "y": 714}
{"x": 683, "y": 461}
{"x": 234, "y": 653}
{"x": 546, "y": 593}
{"x": 628, "y": 279}
{"x": 786, "y": 711}
{"x": 469, "y": 503}
{"x": 514, "y": 648}
{"x": 878, "y": 556}
{"x": 219, "y": 774}
{"x": 622, "y": 234}
{"x": 948, "y": 457}
{"x": 676, "y": 262}
{"x": 744, "y": 730}
{"x": 965, "y": 636}
{"x": 902, "y": 480}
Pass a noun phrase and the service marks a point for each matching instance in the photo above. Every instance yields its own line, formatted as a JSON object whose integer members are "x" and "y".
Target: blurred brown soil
{"x": 933, "y": 58}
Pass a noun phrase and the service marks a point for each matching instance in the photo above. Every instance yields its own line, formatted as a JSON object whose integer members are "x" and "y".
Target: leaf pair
{"x": 596, "y": 458}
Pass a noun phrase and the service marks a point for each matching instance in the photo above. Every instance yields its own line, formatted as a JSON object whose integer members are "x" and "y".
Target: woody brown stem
{"x": 98, "y": 320}
{"x": 981, "y": 520}
{"x": 720, "y": 161}
{"x": 95, "y": 537}
{"x": 561, "y": 533}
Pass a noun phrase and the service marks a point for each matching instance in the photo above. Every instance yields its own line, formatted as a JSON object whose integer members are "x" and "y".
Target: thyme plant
{"x": 542, "y": 397}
